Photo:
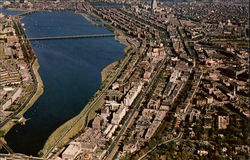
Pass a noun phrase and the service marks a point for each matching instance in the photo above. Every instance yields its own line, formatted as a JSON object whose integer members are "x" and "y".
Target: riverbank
{"x": 16, "y": 9}
{"x": 119, "y": 36}
{"x": 39, "y": 91}
{"x": 70, "y": 129}
{"x": 90, "y": 19}
{"x": 106, "y": 71}
{"x": 76, "y": 66}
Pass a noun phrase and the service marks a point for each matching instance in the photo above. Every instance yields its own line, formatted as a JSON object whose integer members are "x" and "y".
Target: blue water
{"x": 70, "y": 70}
{"x": 6, "y": 12}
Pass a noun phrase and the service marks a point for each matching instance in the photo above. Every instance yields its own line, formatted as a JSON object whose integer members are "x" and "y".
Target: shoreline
{"x": 39, "y": 91}
{"x": 73, "y": 126}
{"x": 16, "y": 9}
{"x": 88, "y": 19}
{"x": 118, "y": 36}
{"x": 106, "y": 71}
{"x": 36, "y": 93}
{"x": 78, "y": 125}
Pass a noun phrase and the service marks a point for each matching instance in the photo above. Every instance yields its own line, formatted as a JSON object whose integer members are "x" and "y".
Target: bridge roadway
{"x": 72, "y": 37}
{"x": 26, "y": 13}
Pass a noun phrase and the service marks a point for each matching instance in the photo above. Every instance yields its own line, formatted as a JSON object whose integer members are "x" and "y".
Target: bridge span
{"x": 72, "y": 37}
{"x": 26, "y": 13}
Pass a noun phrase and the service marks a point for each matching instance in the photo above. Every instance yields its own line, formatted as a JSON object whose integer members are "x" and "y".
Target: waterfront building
{"x": 72, "y": 150}
{"x": 5, "y": 105}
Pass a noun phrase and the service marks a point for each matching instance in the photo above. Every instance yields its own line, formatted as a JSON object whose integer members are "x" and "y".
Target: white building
{"x": 118, "y": 115}
{"x": 112, "y": 131}
{"x": 8, "y": 103}
{"x": 106, "y": 131}
{"x": 112, "y": 105}
{"x": 132, "y": 94}
{"x": 174, "y": 76}
{"x": 71, "y": 151}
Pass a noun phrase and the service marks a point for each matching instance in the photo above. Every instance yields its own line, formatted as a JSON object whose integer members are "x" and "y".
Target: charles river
{"x": 70, "y": 70}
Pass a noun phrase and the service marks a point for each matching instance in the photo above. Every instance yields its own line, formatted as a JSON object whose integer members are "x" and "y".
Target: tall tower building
{"x": 153, "y": 5}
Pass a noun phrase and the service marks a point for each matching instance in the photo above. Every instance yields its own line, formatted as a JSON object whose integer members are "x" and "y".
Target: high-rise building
{"x": 153, "y": 5}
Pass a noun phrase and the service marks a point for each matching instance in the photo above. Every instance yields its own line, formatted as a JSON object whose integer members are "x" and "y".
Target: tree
{"x": 154, "y": 156}
{"x": 1, "y": 133}
{"x": 198, "y": 129}
{"x": 172, "y": 146}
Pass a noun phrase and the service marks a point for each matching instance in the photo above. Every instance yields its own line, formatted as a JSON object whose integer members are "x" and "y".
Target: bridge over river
{"x": 72, "y": 37}
{"x": 26, "y": 13}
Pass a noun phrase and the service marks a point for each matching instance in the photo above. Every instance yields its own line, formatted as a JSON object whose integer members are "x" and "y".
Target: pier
{"x": 72, "y": 37}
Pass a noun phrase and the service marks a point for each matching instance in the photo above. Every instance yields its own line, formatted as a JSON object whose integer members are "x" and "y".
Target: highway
{"x": 18, "y": 156}
{"x": 114, "y": 145}
{"x": 15, "y": 113}
{"x": 6, "y": 147}
{"x": 71, "y": 37}
{"x": 33, "y": 92}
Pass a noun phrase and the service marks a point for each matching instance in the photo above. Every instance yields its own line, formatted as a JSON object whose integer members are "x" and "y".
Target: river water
{"x": 70, "y": 70}
{"x": 7, "y": 12}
